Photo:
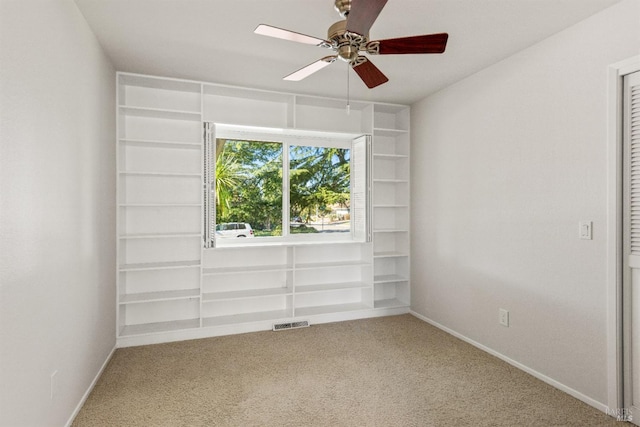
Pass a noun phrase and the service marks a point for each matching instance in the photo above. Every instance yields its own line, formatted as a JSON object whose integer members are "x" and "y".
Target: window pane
{"x": 320, "y": 191}
{"x": 248, "y": 188}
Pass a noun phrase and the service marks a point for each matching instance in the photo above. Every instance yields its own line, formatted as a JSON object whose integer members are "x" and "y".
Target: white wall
{"x": 57, "y": 190}
{"x": 504, "y": 165}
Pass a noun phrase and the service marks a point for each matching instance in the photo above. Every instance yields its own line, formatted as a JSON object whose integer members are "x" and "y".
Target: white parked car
{"x": 234, "y": 229}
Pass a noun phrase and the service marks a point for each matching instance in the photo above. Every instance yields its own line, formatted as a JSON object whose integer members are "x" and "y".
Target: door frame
{"x": 615, "y": 325}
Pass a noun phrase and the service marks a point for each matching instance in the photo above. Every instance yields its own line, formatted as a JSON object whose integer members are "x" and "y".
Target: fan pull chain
{"x": 348, "y": 104}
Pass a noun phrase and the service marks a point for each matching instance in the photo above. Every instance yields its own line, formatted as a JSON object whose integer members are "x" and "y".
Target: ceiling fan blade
{"x": 363, "y": 14}
{"x": 369, "y": 73}
{"x": 304, "y": 72}
{"x": 432, "y": 43}
{"x": 268, "y": 30}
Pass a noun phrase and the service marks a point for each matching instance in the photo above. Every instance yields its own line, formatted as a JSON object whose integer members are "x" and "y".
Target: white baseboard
{"x": 586, "y": 399}
{"x": 90, "y": 389}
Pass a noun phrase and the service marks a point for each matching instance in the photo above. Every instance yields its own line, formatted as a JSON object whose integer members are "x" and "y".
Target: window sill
{"x": 266, "y": 241}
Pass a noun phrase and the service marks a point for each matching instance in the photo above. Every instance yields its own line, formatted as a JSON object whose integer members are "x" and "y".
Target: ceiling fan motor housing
{"x": 347, "y": 44}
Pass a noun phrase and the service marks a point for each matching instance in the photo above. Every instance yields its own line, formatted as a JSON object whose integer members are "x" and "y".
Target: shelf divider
{"x": 245, "y": 294}
{"x": 159, "y": 296}
{"x": 159, "y": 265}
{"x": 151, "y": 328}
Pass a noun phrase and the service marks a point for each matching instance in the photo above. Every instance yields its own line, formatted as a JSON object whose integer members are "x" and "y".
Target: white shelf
{"x": 248, "y": 294}
{"x": 390, "y": 156}
{"x": 245, "y": 318}
{"x": 246, "y": 93}
{"x": 327, "y": 309}
{"x": 160, "y": 205}
{"x": 391, "y": 230}
{"x": 389, "y": 108}
{"x": 389, "y": 303}
{"x": 162, "y": 174}
{"x": 159, "y": 296}
{"x": 329, "y": 103}
{"x": 389, "y": 132}
{"x": 305, "y": 289}
{"x": 152, "y": 328}
{"x": 160, "y": 235}
{"x": 389, "y": 254}
{"x": 160, "y": 113}
{"x": 161, "y": 144}
{"x": 389, "y": 278}
{"x": 245, "y": 269}
{"x": 154, "y": 82}
{"x": 159, "y": 265}
{"x": 391, "y": 181}
{"x": 314, "y": 265}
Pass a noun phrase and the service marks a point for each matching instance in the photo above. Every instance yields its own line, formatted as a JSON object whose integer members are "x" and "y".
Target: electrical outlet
{"x": 503, "y": 317}
{"x": 53, "y": 383}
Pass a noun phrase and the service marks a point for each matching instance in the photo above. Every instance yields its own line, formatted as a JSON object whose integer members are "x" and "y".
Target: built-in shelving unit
{"x": 170, "y": 287}
{"x": 391, "y": 206}
{"x": 159, "y": 204}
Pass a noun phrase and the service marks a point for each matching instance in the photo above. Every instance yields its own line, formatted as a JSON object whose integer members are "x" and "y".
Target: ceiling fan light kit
{"x": 350, "y": 36}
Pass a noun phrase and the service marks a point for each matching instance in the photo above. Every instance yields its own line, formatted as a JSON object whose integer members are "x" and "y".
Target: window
{"x": 248, "y": 185}
{"x": 283, "y": 185}
{"x": 319, "y": 189}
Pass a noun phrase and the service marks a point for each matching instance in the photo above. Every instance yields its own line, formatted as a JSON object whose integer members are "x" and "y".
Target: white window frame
{"x": 287, "y": 137}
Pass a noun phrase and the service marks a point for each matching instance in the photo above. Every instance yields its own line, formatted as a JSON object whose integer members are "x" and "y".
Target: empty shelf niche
{"x": 176, "y": 159}
{"x": 142, "y": 249}
{"x": 159, "y": 316}
{"x": 134, "y": 126}
{"x": 391, "y": 117}
{"x": 391, "y": 168}
{"x": 333, "y": 278}
{"x": 247, "y": 107}
{"x": 332, "y": 302}
{"x": 332, "y": 297}
{"x": 246, "y": 259}
{"x": 246, "y": 284}
{"x": 138, "y": 221}
{"x": 391, "y": 243}
{"x": 158, "y": 284}
{"x": 331, "y": 255}
{"x": 391, "y": 294}
{"x": 160, "y": 189}
{"x": 387, "y": 192}
{"x": 246, "y": 310}
{"x": 157, "y": 93}
{"x": 391, "y": 219}
{"x": 391, "y": 267}
{"x": 389, "y": 146}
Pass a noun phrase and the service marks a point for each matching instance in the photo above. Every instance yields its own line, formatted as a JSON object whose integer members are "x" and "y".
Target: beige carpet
{"x": 392, "y": 371}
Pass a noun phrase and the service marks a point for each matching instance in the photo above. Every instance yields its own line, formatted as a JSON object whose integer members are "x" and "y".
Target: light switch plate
{"x": 586, "y": 230}
{"x": 503, "y": 317}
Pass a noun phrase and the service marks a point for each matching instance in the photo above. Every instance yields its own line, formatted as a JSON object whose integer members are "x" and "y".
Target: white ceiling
{"x": 213, "y": 40}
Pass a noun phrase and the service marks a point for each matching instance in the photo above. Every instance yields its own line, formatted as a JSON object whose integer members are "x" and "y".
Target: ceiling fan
{"x": 349, "y": 37}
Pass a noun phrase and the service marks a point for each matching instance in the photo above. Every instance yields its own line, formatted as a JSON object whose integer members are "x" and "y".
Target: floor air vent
{"x": 290, "y": 325}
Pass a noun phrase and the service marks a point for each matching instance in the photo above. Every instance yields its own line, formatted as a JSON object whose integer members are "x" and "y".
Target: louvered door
{"x": 631, "y": 239}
